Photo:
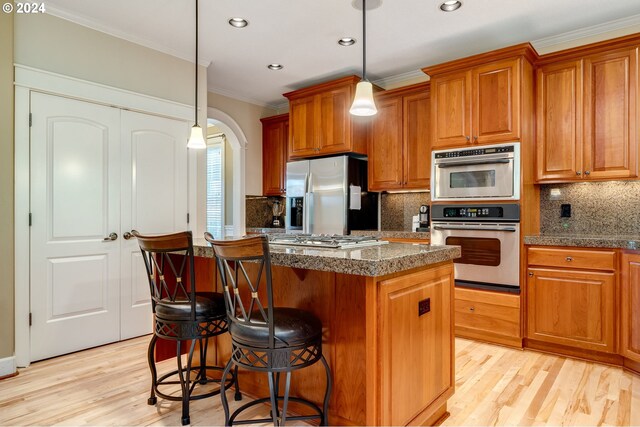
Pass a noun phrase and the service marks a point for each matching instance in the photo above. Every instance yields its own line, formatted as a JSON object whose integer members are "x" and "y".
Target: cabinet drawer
{"x": 574, "y": 258}
{"x": 491, "y": 316}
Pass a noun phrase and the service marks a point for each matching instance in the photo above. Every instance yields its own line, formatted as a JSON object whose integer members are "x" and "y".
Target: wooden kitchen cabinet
{"x": 275, "y": 133}
{"x": 587, "y": 117}
{"x": 571, "y": 305}
{"x": 481, "y": 104}
{"x": 630, "y": 310}
{"x": 320, "y": 123}
{"x": 399, "y": 150}
{"x": 416, "y": 344}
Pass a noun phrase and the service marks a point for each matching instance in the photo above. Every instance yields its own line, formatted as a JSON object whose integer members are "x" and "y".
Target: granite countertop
{"x": 585, "y": 241}
{"x": 368, "y": 261}
{"x": 266, "y": 230}
{"x": 393, "y": 234}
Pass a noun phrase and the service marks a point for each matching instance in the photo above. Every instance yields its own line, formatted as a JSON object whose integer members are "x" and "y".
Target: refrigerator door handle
{"x": 309, "y": 213}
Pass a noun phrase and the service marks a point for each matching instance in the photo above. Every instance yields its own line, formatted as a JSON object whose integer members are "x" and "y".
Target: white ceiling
{"x": 402, "y": 35}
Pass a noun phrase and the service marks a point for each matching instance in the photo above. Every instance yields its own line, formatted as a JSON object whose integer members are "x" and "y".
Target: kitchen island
{"x": 387, "y": 313}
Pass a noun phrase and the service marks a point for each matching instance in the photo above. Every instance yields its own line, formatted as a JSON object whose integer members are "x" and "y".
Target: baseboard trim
{"x": 8, "y": 366}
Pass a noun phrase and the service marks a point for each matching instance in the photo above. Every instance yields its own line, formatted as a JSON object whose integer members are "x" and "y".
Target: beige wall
{"x": 53, "y": 44}
{"x": 248, "y": 118}
{"x": 6, "y": 186}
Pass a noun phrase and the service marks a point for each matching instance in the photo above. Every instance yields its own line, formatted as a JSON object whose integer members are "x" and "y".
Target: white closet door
{"x": 75, "y": 202}
{"x": 154, "y": 200}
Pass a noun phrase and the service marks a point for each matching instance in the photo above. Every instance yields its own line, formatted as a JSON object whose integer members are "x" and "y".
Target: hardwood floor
{"x": 494, "y": 386}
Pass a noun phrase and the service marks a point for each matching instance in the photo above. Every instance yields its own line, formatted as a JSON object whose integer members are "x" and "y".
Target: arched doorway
{"x": 237, "y": 143}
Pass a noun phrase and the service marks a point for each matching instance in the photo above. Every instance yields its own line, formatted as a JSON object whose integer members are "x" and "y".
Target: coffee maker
{"x": 423, "y": 218}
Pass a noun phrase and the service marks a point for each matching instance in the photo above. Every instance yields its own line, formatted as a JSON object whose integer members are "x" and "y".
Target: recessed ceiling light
{"x": 450, "y": 5}
{"x": 238, "y": 22}
{"x": 346, "y": 41}
{"x": 275, "y": 66}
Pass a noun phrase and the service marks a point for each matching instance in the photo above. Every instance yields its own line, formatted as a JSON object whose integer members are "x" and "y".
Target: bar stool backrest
{"x": 241, "y": 291}
{"x": 161, "y": 255}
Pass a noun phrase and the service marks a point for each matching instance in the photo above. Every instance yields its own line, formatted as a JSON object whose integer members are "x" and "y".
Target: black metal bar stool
{"x": 268, "y": 339}
{"x": 181, "y": 314}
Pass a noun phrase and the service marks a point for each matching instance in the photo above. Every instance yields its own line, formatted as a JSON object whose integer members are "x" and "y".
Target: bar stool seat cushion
{"x": 292, "y": 328}
{"x": 208, "y": 304}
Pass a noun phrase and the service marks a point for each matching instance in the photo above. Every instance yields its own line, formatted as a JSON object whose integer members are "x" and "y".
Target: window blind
{"x": 215, "y": 186}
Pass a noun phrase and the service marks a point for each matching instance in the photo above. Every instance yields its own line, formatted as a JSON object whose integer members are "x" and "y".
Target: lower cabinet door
{"x": 572, "y": 308}
{"x": 630, "y": 320}
{"x": 416, "y": 343}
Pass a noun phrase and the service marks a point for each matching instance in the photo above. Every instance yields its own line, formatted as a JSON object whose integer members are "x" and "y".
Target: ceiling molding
{"x": 97, "y": 26}
{"x": 547, "y": 43}
{"x": 233, "y": 95}
{"x": 386, "y": 82}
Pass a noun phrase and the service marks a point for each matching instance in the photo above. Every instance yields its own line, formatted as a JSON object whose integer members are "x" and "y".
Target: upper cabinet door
{"x": 496, "y": 102}
{"x": 302, "y": 141}
{"x": 451, "y": 110}
{"x": 274, "y": 157}
{"x": 559, "y": 120}
{"x": 610, "y": 85}
{"x": 385, "y": 149}
{"x": 417, "y": 150}
{"x": 335, "y": 122}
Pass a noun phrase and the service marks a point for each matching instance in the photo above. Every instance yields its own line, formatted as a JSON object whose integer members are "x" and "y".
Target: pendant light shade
{"x": 196, "y": 140}
{"x": 363, "y": 103}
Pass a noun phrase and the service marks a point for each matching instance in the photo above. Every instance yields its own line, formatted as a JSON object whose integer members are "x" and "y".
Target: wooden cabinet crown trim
{"x": 278, "y": 118}
{"x": 323, "y": 87}
{"x": 524, "y": 49}
{"x": 424, "y": 87}
{"x": 589, "y": 49}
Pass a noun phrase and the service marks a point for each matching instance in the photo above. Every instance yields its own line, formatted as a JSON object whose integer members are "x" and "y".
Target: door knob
{"x": 111, "y": 237}
{"x": 127, "y": 235}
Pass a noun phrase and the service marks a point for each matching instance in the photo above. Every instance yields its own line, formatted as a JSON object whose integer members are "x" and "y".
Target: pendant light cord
{"x": 196, "y": 62}
{"x": 364, "y": 40}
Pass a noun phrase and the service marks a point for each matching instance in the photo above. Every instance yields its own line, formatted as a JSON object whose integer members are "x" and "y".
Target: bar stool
{"x": 181, "y": 314}
{"x": 267, "y": 339}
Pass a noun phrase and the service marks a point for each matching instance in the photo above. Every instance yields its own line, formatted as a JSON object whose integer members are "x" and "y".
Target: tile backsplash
{"x": 597, "y": 208}
{"x": 397, "y": 210}
{"x": 258, "y": 211}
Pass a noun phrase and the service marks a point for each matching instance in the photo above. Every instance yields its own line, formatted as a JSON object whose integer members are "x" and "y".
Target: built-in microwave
{"x": 490, "y": 172}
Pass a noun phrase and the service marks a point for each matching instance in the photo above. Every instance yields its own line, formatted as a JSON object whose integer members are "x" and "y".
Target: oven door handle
{"x": 481, "y": 162}
{"x": 462, "y": 227}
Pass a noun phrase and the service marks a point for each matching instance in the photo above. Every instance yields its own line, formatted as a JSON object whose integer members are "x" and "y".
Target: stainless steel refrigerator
{"x": 329, "y": 196}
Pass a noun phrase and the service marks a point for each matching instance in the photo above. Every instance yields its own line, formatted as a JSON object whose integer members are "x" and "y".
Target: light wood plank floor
{"x": 494, "y": 386}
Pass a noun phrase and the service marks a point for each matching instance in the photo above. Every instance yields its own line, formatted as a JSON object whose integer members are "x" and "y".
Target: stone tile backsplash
{"x": 397, "y": 210}
{"x": 258, "y": 211}
{"x": 597, "y": 208}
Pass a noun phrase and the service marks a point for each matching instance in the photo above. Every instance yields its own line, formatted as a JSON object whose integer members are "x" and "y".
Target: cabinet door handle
{"x": 569, "y": 259}
{"x": 472, "y": 309}
{"x": 587, "y": 172}
{"x": 475, "y": 139}
{"x": 578, "y": 173}
{"x": 530, "y": 274}
{"x": 468, "y": 138}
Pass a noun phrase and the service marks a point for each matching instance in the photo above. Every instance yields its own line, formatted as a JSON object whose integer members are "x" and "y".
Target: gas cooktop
{"x": 335, "y": 241}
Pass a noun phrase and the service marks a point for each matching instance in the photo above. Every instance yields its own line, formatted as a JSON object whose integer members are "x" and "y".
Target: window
{"x": 215, "y": 185}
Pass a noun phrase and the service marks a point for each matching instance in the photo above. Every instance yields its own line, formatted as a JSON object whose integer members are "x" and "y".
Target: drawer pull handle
{"x": 569, "y": 259}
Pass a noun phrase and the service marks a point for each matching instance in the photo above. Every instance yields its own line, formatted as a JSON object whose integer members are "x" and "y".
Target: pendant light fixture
{"x": 197, "y": 138}
{"x": 363, "y": 103}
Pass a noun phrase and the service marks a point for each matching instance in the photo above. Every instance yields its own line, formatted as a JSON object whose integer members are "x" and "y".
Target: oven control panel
{"x": 474, "y": 152}
{"x": 477, "y": 212}
{"x": 474, "y": 212}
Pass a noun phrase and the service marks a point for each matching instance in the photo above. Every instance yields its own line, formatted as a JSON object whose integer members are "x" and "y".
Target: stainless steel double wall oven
{"x": 484, "y": 183}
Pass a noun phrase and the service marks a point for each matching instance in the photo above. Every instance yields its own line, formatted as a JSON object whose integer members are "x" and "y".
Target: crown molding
{"x": 547, "y": 43}
{"x": 385, "y": 82}
{"x": 231, "y": 94}
{"x": 95, "y": 25}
